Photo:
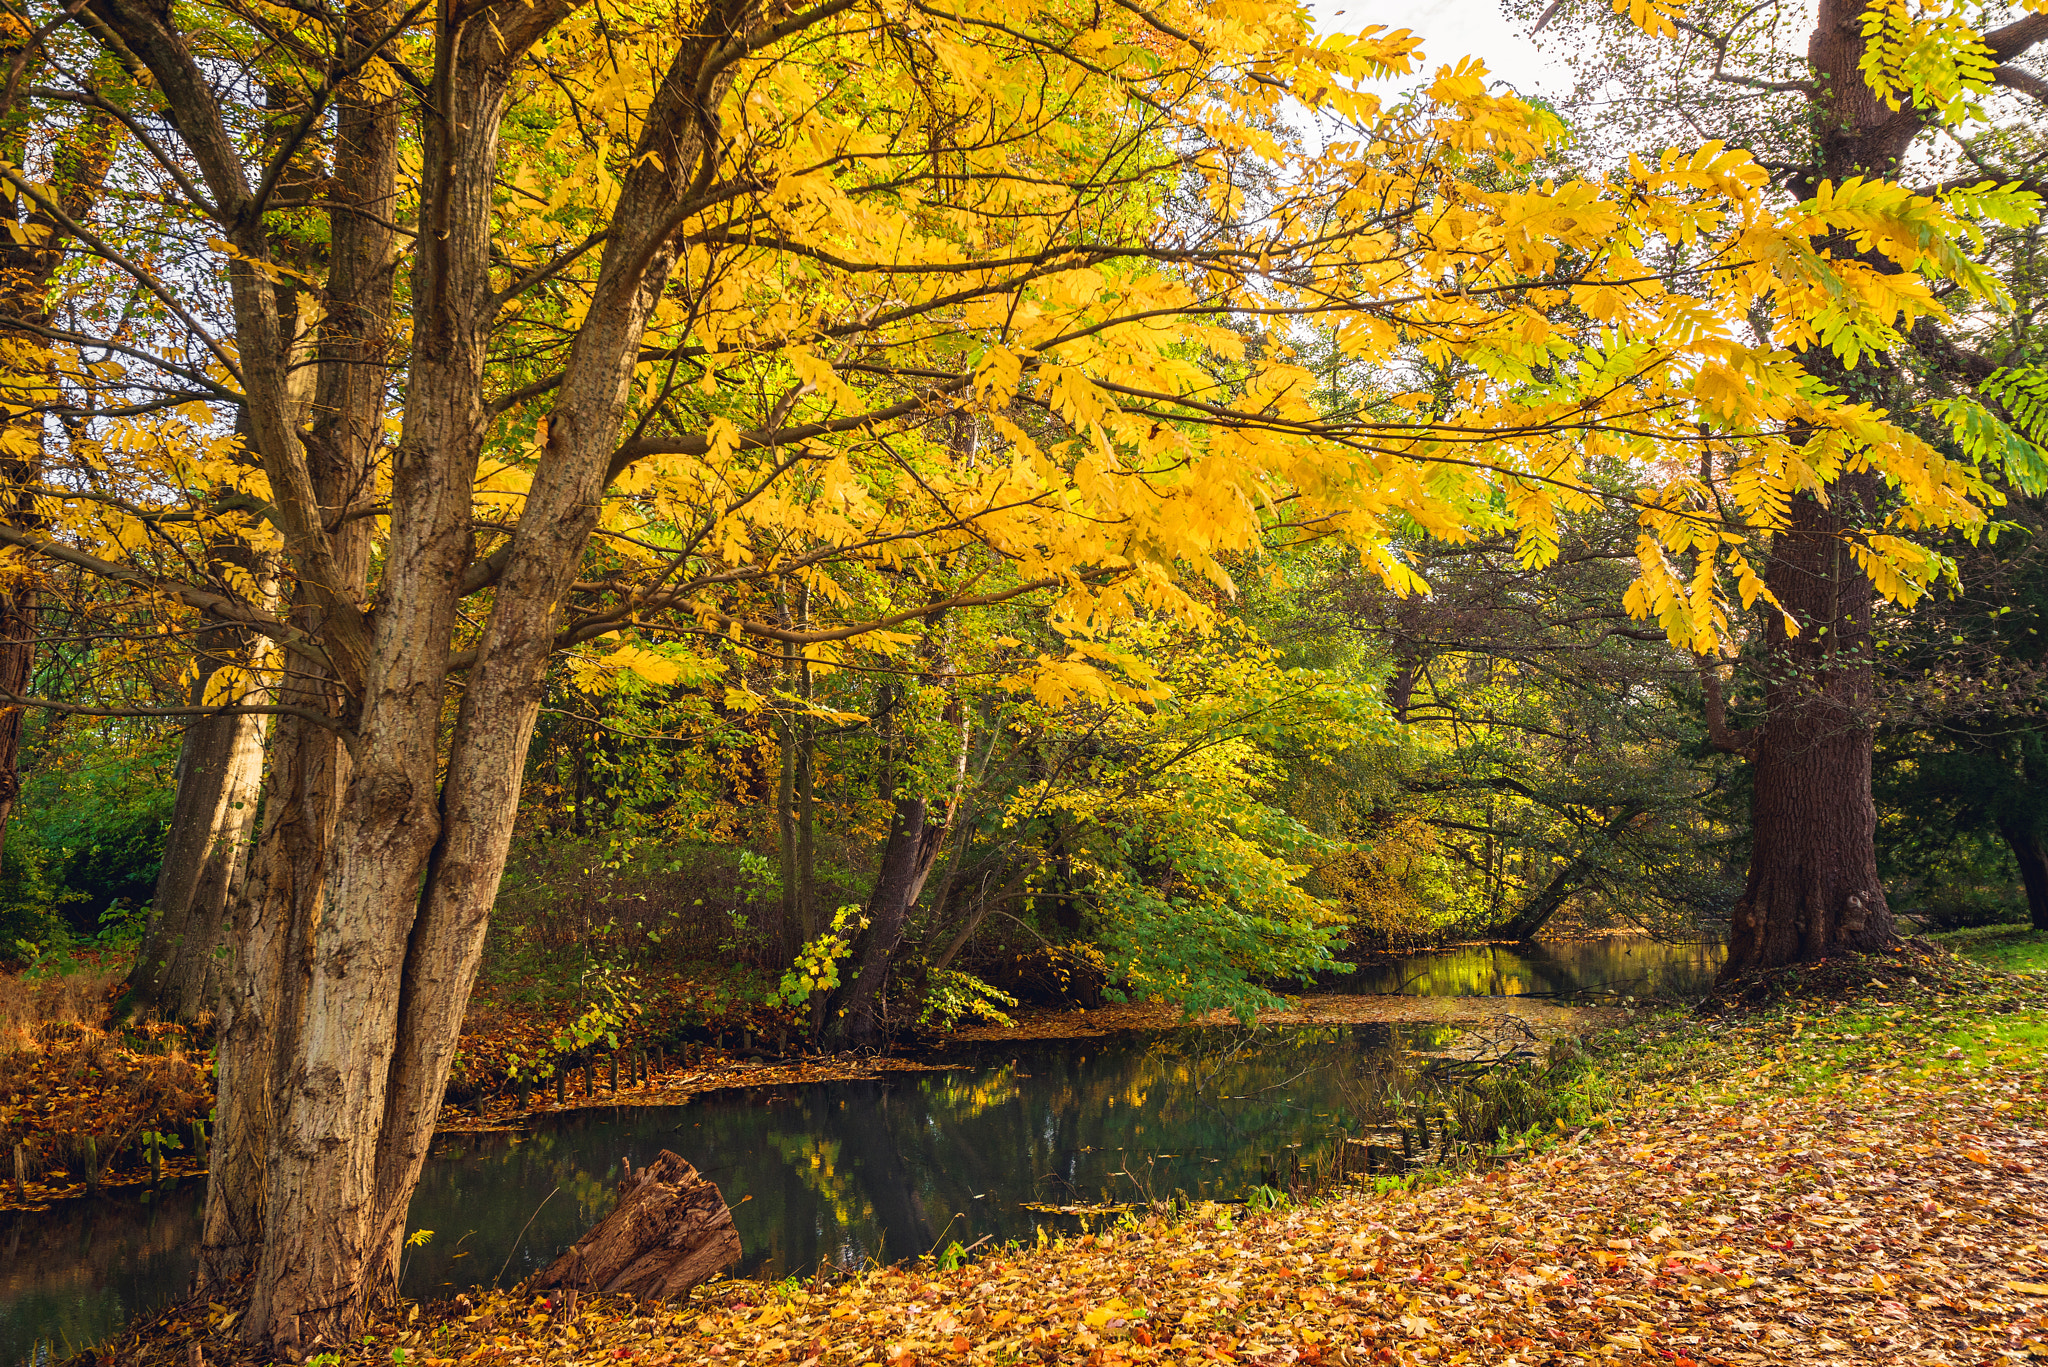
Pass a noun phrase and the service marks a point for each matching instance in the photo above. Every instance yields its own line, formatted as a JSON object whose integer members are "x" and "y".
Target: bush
{"x": 1956, "y": 907}
{"x": 569, "y": 904}
{"x": 31, "y": 901}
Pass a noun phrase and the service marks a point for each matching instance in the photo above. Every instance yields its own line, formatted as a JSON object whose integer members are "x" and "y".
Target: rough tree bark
{"x": 262, "y": 1007}
{"x": 1813, "y": 888}
{"x": 670, "y": 1232}
{"x": 363, "y": 929}
{"x": 177, "y": 975}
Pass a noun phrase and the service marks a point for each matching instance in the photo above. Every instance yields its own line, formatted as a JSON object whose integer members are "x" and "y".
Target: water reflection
{"x": 69, "y": 1276}
{"x": 1629, "y": 965}
{"x": 876, "y": 1171}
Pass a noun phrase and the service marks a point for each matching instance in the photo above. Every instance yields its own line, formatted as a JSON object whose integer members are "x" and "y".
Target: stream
{"x": 986, "y": 1149}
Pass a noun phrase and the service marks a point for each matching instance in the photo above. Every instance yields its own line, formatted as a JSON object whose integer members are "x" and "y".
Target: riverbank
{"x": 88, "y": 1105}
{"x": 1857, "y": 1172}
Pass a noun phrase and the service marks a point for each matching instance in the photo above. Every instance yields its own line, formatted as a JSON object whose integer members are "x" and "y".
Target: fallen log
{"x": 671, "y": 1231}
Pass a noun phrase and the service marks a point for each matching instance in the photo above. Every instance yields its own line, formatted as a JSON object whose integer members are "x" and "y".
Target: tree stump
{"x": 671, "y": 1231}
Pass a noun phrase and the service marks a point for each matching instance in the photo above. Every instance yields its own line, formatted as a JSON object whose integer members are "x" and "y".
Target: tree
{"x": 1871, "y": 82}
{"x": 73, "y": 155}
{"x": 689, "y": 279}
{"x": 1550, "y": 752}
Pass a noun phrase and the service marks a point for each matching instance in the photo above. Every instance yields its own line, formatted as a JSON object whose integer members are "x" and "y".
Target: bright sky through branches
{"x": 1451, "y": 29}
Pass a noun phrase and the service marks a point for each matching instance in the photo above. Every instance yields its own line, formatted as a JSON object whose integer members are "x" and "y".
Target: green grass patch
{"x": 2015, "y": 949}
{"x": 1945, "y": 1025}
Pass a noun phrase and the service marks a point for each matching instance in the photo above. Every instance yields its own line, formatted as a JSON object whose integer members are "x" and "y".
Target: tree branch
{"x": 216, "y": 605}
{"x": 1733, "y": 742}
{"x": 2015, "y": 38}
{"x": 2021, "y": 80}
{"x": 238, "y": 710}
{"x": 759, "y": 439}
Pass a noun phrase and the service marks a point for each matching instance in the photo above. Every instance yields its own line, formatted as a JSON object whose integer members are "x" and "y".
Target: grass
{"x": 2016, "y": 949}
{"x": 28, "y": 1004}
{"x": 1913, "y": 1022}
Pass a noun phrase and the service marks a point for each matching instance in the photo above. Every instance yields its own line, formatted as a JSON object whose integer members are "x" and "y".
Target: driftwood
{"x": 670, "y": 1232}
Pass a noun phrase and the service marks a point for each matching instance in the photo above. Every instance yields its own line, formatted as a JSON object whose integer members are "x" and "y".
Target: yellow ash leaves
{"x": 982, "y": 225}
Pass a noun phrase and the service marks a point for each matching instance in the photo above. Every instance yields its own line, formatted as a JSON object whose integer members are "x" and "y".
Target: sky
{"x": 1451, "y": 29}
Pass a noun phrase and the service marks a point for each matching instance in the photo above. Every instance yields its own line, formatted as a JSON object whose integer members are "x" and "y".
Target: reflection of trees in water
{"x": 72, "y": 1274}
{"x": 848, "y": 1172}
{"x": 1628, "y": 964}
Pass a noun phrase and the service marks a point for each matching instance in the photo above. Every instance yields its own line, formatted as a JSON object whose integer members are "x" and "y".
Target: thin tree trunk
{"x": 792, "y": 934}
{"x": 29, "y": 258}
{"x": 2030, "y": 852}
{"x": 856, "y": 1018}
{"x": 913, "y": 847}
{"x": 206, "y": 857}
{"x": 17, "y": 657}
{"x": 980, "y": 913}
{"x": 1530, "y": 918}
{"x": 808, "y": 917}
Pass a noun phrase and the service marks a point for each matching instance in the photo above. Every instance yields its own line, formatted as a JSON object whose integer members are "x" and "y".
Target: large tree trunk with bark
{"x": 1813, "y": 888}
{"x": 385, "y": 829}
{"x": 275, "y": 914}
{"x": 419, "y": 845}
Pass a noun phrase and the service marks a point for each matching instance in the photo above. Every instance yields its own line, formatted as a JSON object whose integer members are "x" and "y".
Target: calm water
{"x": 855, "y": 1171}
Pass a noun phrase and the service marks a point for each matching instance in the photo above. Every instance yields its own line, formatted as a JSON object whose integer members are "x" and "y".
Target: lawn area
{"x": 2016, "y": 949}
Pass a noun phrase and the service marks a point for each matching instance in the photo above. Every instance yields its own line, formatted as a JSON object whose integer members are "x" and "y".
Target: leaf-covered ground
{"x": 1856, "y": 1175}
{"x": 79, "y": 1108}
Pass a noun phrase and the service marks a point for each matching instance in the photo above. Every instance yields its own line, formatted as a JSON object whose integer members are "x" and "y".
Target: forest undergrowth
{"x": 1850, "y": 1167}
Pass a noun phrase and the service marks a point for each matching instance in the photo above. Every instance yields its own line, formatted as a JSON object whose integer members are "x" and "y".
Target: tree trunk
{"x": 206, "y": 856}
{"x": 275, "y": 916}
{"x": 1529, "y": 920}
{"x": 29, "y": 256}
{"x": 419, "y": 846}
{"x": 670, "y": 1232}
{"x": 1813, "y": 889}
{"x": 350, "y": 987}
{"x": 913, "y": 847}
{"x": 855, "y": 1017}
{"x": 17, "y": 655}
{"x": 2030, "y": 852}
